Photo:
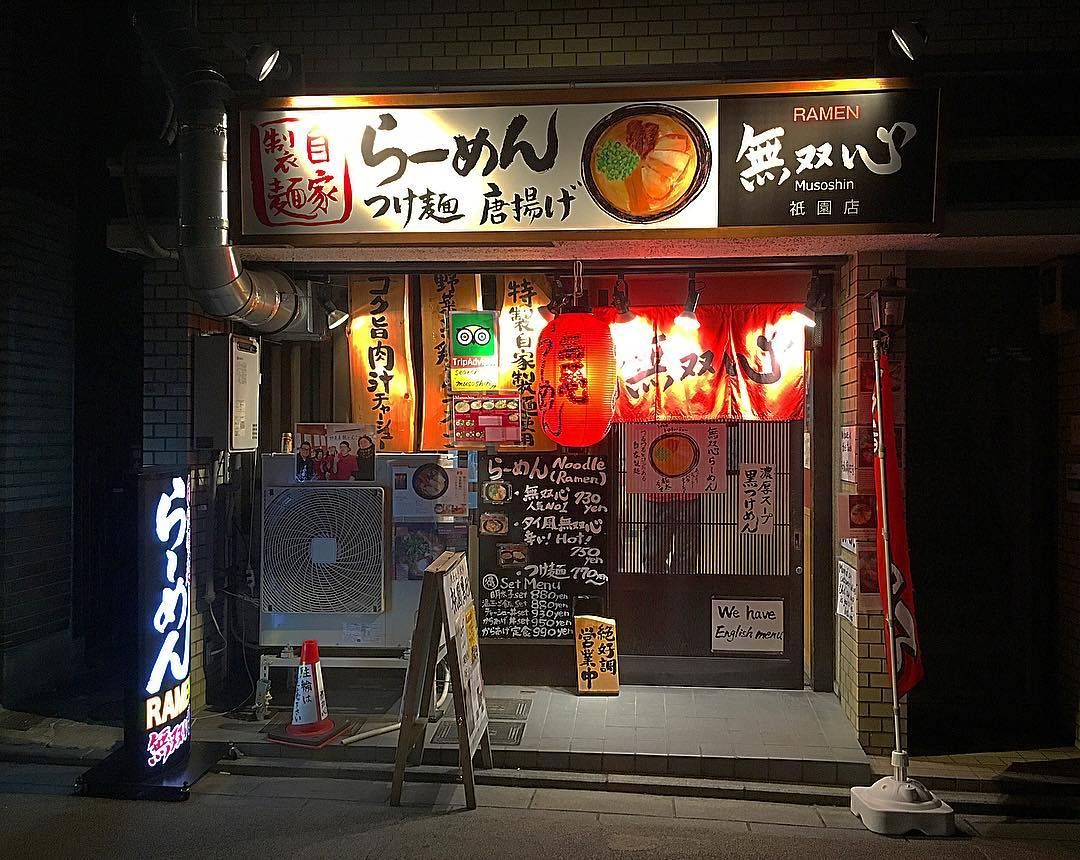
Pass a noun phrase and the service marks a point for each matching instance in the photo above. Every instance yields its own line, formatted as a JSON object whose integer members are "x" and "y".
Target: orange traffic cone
{"x": 311, "y": 725}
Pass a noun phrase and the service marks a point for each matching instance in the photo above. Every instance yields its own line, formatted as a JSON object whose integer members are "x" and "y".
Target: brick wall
{"x": 1068, "y": 539}
{"x": 342, "y": 42}
{"x": 862, "y": 679}
{"x": 171, "y": 320}
{"x": 36, "y": 281}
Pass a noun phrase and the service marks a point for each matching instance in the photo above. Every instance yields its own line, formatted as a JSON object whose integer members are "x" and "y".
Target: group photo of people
{"x": 334, "y": 452}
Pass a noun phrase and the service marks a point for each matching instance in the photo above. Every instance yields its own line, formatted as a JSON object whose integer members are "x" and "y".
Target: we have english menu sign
{"x": 773, "y": 158}
{"x": 542, "y": 542}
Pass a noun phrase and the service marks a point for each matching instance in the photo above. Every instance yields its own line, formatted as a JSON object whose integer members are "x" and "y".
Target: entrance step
{"x": 1049, "y": 804}
{"x": 590, "y": 760}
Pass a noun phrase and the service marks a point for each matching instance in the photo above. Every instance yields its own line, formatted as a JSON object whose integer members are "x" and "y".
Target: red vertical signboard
{"x": 907, "y": 664}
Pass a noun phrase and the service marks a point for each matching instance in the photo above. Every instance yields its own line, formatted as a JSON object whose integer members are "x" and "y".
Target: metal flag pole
{"x": 897, "y": 804}
{"x": 899, "y": 755}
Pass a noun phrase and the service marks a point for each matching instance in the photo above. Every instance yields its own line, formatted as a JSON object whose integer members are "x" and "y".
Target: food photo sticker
{"x": 858, "y": 516}
{"x": 511, "y": 554}
{"x": 496, "y": 492}
{"x": 494, "y": 524}
{"x": 645, "y": 162}
{"x": 430, "y": 481}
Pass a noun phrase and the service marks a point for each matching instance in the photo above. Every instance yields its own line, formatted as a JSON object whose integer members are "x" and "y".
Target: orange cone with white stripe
{"x": 311, "y": 725}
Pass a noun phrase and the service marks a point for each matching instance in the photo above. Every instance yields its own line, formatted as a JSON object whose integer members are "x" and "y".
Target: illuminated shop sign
{"x": 773, "y": 158}
{"x": 165, "y": 616}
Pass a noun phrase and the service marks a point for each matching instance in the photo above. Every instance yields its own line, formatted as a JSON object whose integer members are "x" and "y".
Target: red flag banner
{"x": 744, "y": 362}
{"x": 907, "y": 662}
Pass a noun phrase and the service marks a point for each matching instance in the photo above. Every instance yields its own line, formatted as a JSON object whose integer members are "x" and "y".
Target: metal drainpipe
{"x": 265, "y": 300}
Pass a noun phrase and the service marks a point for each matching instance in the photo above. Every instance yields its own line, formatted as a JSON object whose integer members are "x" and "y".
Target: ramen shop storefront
{"x": 634, "y": 420}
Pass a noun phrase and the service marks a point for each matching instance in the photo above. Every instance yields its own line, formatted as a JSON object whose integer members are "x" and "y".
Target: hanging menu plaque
{"x": 543, "y": 531}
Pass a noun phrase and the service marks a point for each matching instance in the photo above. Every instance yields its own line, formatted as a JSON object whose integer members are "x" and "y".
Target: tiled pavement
{"x": 611, "y": 811}
{"x": 779, "y": 736}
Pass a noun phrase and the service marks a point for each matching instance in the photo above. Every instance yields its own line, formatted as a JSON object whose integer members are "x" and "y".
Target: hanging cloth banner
{"x": 908, "y": 663}
{"x": 520, "y": 324}
{"x": 744, "y": 362}
{"x": 440, "y": 293}
{"x": 380, "y": 360}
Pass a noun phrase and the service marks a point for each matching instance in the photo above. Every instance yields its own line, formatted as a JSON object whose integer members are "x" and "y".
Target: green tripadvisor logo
{"x": 473, "y": 334}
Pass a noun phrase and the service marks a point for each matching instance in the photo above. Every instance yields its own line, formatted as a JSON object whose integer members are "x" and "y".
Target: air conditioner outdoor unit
{"x": 324, "y": 564}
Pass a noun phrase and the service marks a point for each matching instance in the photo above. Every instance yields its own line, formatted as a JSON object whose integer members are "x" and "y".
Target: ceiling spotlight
{"x": 334, "y": 316}
{"x": 688, "y": 318}
{"x": 260, "y": 61}
{"x": 909, "y": 39}
{"x": 621, "y": 301}
{"x": 806, "y": 316}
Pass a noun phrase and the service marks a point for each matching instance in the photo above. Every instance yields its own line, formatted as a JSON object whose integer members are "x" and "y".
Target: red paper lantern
{"x": 576, "y": 383}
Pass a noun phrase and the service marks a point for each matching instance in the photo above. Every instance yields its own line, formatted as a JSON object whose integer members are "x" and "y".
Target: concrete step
{"x": 984, "y": 803}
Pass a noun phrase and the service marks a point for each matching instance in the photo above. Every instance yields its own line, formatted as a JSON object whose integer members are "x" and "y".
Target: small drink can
{"x": 286, "y": 443}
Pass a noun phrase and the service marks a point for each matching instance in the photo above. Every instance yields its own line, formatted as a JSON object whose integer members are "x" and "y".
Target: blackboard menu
{"x": 544, "y": 521}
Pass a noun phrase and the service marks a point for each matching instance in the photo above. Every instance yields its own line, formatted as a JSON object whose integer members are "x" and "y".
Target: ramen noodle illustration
{"x": 645, "y": 162}
{"x": 674, "y": 454}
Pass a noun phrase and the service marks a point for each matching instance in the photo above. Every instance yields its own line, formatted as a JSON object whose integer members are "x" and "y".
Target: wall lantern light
{"x": 888, "y": 307}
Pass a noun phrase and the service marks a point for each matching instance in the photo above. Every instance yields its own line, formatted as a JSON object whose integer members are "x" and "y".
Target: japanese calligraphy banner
{"x": 773, "y": 159}
{"x": 520, "y": 325}
{"x": 757, "y": 498}
{"x": 895, "y": 572}
{"x": 687, "y": 457}
{"x": 380, "y": 360}
{"x": 744, "y": 362}
{"x": 440, "y": 293}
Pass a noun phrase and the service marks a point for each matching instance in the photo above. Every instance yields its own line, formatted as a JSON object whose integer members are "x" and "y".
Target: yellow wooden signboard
{"x": 520, "y": 325}
{"x": 597, "y": 655}
{"x": 440, "y": 293}
{"x": 380, "y": 360}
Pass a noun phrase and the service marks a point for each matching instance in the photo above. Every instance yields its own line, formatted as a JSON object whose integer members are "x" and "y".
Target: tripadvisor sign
{"x": 474, "y": 363}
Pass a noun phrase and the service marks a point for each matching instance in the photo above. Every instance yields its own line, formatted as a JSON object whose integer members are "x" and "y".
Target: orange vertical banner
{"x": 440, "y": 293}
{"x": 380, "y": 360}
{"x": 520, "y": 324}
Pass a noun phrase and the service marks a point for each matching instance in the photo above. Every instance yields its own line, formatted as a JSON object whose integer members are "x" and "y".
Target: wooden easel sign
{"x": 446, "y": 610}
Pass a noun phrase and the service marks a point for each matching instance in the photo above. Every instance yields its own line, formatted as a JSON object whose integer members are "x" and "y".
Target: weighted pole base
{"x": 893, "y": 808}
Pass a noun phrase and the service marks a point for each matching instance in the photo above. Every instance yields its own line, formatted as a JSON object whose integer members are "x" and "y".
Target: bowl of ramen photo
{"x": 674, "y": 454}
{"x": 430, "y": 481}
{"x": 645, "y": 162}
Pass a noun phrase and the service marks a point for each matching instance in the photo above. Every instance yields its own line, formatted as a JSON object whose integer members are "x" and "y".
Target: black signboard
{"x": 543, "y": 530}
{"x": 838, "y": 159}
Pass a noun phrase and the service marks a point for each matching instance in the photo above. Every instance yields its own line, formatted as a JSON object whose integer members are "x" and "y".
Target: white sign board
{"x": 747, "y": 625}
{"x": 465, "y": 169}
{"x": 846, "y": 595}
{"x": 465, "y": 646}
{"x": 429, "y": 491}
{"x": 679, "y": 457}
{"x": 847, "y": 454}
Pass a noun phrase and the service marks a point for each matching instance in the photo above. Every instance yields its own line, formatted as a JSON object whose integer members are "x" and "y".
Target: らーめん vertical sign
{"x": 162, "y": 686}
